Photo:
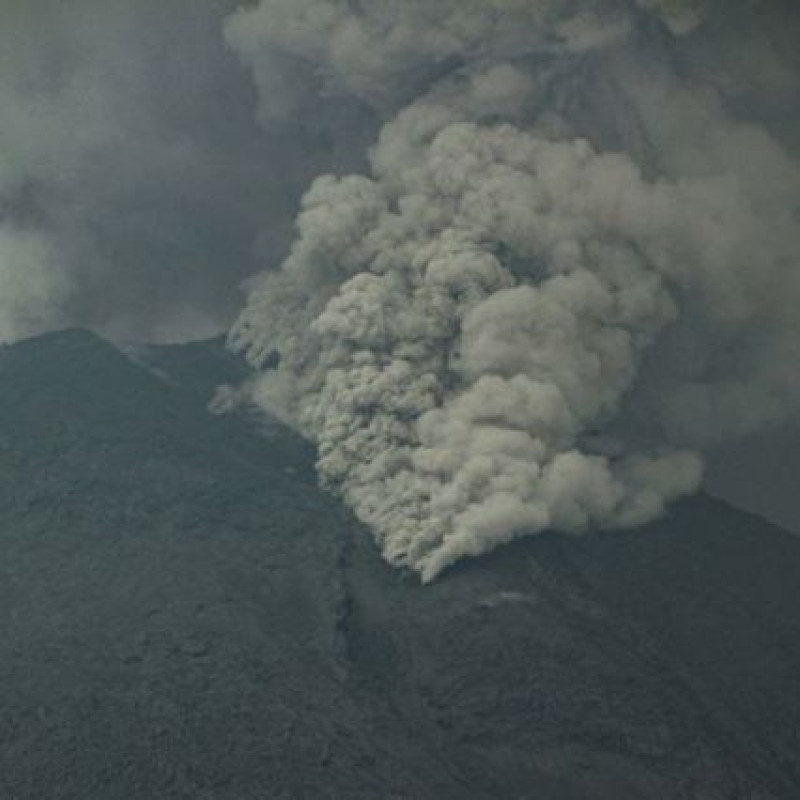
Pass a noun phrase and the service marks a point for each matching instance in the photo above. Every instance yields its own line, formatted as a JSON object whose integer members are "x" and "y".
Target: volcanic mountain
{"x": 186, "y": 615}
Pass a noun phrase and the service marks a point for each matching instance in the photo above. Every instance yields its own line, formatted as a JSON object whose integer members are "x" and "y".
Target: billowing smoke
{"x": 571, "y": 264}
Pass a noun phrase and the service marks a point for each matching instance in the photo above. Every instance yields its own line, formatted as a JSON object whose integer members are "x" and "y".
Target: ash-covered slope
{"x": 184, "y": 614}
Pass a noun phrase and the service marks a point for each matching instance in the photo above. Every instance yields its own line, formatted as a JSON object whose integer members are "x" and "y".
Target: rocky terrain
{"x": 184, "y": 614}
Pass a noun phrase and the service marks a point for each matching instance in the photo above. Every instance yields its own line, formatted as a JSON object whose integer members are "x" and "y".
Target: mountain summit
{"x": 186, "y": 615}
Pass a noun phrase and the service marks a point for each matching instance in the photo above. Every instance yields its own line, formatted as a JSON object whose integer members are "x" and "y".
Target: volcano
{"x": 186, "y": 615}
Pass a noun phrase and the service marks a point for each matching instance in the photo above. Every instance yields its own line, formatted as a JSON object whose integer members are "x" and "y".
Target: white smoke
{"x": 558, "y": 238}
{"x": 33, "y": 288}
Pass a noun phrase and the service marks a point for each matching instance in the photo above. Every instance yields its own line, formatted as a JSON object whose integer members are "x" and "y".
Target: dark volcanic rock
{"x": 197, "y": 366}
{"x": 185, "y": 615}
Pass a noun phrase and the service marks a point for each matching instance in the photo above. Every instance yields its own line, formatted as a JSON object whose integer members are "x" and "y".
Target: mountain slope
{"x": 184, "y": 614}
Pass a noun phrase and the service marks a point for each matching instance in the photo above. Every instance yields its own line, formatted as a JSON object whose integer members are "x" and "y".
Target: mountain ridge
{"x": 187, "y": 615}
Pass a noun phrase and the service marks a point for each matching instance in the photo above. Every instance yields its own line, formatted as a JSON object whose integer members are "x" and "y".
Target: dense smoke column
{"x": 473, "y": 332}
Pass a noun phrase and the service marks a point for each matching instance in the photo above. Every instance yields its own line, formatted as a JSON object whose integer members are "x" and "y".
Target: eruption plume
{"x": 526, "y": 315}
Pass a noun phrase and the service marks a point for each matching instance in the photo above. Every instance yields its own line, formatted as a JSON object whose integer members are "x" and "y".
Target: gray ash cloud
{"x": 546, "y": 252}
{"x": 571, "y": 265}
{"x": 134, "y": 177}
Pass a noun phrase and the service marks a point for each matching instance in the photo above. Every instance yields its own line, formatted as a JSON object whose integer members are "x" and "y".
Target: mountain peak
{"x": 188, "y": 615}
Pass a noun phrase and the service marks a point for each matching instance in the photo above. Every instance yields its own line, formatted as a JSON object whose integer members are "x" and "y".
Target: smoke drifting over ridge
{"x": 572, "y": 264}
{"x": 566, "y": 267}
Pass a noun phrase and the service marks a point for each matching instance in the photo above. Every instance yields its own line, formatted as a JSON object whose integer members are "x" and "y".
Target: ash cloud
{"x": 570, "y": 266}
{"x": 547, "y": 261}
{"x": 134, "y": 178}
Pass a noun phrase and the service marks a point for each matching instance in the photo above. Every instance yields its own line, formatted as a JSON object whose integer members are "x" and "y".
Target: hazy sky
{"x": 137, "y": 188}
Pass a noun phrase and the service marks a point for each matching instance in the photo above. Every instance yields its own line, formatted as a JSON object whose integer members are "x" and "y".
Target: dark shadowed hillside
{"x": 197, "y": 366}
{"x": 185, "y": 615}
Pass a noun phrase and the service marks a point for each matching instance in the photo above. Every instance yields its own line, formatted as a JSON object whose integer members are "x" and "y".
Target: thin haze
{"x": 137, "y": 189}
{"x": 546, "y": 254}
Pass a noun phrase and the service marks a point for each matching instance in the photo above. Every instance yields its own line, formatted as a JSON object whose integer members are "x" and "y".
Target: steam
{"x": 566, "y": 270}
{"x": 33, "y": 289}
